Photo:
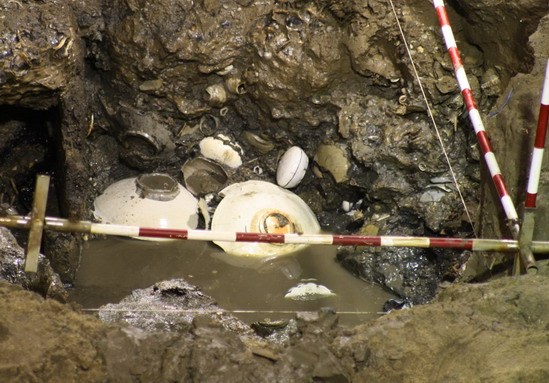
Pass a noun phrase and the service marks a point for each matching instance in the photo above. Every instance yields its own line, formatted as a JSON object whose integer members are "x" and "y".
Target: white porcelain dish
{"x": 150, "y": 200}
{"x": 262, "y": 207}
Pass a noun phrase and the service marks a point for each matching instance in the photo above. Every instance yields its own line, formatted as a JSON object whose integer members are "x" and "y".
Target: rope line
{"x": 197, "y": 311}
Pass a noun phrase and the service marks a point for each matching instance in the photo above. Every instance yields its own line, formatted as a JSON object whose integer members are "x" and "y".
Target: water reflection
{"x": 286, "y": 264}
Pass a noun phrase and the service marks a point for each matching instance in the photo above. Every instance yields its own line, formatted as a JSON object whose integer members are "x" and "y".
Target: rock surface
{"x": 169, "y": 306}
{"x": 45, "y": 281}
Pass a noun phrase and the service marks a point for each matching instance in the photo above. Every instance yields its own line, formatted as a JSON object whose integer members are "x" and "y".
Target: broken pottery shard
{"x": 308, "y": 292}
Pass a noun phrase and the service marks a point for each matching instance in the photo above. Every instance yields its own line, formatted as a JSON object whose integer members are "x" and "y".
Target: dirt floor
{"x": 99, "y": 90}
{"x": 489, "y": 332}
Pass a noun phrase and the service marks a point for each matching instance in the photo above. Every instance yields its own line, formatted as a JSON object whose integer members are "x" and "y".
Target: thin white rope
{"x": 429, "y": 110}
{"x": 206, "y": 311}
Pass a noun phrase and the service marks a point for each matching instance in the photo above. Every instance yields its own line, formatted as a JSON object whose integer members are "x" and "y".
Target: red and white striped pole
{"x": 539, "y": 145}
{"x": 74, "y": 226}
{"x": 474, "y": 116}
{"x": 65, "y": 225}
{"x": 528, "y": 217}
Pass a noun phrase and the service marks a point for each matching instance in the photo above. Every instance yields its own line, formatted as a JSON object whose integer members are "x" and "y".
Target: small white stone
{"x": 346, "y": 206}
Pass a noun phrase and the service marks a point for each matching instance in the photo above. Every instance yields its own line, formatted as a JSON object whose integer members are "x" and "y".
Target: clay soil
{"x": 322, "y": 72}
{"x": 489, "y": 332}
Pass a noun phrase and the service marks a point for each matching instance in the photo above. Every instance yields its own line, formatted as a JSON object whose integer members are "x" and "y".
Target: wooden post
{"x": 37, "y": 223}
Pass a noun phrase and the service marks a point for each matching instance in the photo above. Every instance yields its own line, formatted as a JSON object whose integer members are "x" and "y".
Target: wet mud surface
{"x": 93, "y": 92}
{"x": 494, "y": 331}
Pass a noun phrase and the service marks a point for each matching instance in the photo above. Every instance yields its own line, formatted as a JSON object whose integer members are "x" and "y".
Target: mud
{"x": 45, "y": 281}
{"x": 495, "y": 331}
{"x": 320, "y": 75}
{"x": 169, "y": 306}
{"x": 100, "y": 90}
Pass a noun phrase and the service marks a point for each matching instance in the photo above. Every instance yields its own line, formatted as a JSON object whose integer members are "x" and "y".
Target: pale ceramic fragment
{"x": 220, "y": 150}
{"x": 308, "y": 292}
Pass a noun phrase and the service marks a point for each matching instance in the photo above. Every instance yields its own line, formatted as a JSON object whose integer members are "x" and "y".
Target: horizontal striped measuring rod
{"x": 473, "y": 244}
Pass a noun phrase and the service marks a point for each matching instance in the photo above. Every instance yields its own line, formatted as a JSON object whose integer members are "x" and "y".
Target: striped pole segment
{"x": 528, "y": 217}
{"x": 539, "y": 145}
{"x": 473, "y": 244}
{"x": 474, "y": 116}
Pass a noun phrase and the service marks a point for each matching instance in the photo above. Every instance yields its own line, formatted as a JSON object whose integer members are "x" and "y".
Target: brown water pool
{"x": 253, "y": 289}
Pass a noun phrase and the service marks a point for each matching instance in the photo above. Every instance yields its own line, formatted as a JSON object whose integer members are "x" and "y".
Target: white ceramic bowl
{"x": 262, "y": 207}
{"x": 150, "y": 200}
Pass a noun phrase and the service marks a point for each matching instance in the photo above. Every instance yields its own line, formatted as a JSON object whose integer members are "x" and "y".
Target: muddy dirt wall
{"x": 134, "y": 86}
{"x": 96, "y": 91}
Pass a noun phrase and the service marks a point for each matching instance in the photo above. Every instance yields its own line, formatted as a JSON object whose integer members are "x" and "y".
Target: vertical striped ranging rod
{"x": 474, "y": 116}
{"x": 528, "y": 217}
{"x": 539, "y": 145}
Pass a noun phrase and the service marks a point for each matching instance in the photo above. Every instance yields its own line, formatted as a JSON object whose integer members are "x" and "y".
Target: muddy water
{"x": 254, "y": 289}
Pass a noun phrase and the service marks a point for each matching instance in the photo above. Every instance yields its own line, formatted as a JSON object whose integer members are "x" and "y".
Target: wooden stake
{"x": 37, "y": 223}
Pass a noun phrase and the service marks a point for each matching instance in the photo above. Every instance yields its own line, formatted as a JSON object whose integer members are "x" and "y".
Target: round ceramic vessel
{"x": 150, "y": 200}
{"x": 262, "y": 207}
{"x": 292, "y": 167}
